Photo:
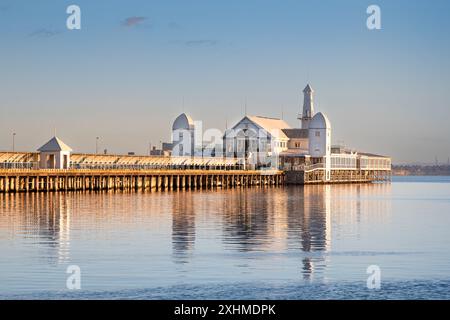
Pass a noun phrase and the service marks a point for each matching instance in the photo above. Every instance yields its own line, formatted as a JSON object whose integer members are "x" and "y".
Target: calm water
{"x": 312, "y": 242}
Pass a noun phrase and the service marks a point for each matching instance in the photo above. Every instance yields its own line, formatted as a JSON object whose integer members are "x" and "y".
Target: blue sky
{"x": 124, "y": 75}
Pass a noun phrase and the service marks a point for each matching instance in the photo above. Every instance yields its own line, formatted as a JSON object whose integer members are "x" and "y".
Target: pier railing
{"x": 304, "y": 167}
{"x": 345, "y": 162}
{"x": 19, "y": 165}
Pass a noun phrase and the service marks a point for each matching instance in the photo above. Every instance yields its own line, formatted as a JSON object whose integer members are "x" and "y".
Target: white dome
{"x": 320, "y": 121}
{"x": 183, "y": 121}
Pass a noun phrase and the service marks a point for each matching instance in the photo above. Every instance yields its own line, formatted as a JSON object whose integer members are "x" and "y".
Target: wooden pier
{"x": 30, "y": 180}
{"x": 22, "y": 172}
{"x": 317, "y": 176}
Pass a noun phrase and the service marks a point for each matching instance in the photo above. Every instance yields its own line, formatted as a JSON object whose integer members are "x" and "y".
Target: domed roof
{"x": 183, "y": 121}
{"x": 320, "y": 121}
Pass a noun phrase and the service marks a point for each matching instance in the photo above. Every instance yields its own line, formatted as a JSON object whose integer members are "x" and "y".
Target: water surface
{"x": 312, "y": 242}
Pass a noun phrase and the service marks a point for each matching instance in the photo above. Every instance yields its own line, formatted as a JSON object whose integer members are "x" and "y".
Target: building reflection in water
{"x": 314, "y": 227}
{"x": 183, "y": 226}
{"x": 286, "y": 220}
{"x": 300, "y": 219}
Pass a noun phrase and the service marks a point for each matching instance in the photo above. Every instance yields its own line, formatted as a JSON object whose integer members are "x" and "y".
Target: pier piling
{"x": 33, "y": 180}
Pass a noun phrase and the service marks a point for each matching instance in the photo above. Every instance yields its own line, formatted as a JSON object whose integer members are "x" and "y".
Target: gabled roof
{"x": 54, "y": 144}
{"x": 296, "y": 133}
{"x": 271, "y": 124}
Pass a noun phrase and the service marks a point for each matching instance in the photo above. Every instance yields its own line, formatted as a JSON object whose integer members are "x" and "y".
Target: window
{"x": 317, "y": 133}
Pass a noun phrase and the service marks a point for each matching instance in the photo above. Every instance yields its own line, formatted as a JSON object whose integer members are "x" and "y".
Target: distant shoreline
{"x": 420, "y": 175}
{"x": 421, "y": 170}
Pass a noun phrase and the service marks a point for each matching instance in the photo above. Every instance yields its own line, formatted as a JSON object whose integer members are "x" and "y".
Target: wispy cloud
{"x": 133, "y": 21}
{"x": 44, "y": 33}
{"x": 197, "y": 43}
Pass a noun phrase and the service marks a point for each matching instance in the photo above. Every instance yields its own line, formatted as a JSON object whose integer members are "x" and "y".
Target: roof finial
{"x": 245, "y": 107}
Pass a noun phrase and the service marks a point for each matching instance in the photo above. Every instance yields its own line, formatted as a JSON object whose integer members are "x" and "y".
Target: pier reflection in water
{"x": 130, "y": 240}
{"x": 43, "y": 219}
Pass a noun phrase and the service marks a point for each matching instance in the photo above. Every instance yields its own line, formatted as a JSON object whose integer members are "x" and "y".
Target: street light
{"x": 13, "y": 141}
{"x": 96, "y": 145}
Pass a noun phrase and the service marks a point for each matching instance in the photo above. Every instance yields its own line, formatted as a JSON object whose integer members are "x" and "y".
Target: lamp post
{"x": 13, "y": 141}
{"x": 96, "y": 145}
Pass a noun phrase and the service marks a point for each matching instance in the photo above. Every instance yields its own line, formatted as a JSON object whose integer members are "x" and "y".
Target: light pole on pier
{"x": 13, "y": 141}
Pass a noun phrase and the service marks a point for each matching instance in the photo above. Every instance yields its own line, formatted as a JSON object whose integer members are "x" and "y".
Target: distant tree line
{"x": 421, "y": 170}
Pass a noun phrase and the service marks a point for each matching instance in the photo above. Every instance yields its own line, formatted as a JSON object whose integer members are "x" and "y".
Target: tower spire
{"x": 308, "y": 107}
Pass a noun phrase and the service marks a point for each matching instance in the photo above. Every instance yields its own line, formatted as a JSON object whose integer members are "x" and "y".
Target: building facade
{"x": 257, "y": 140}
{"x": 55, "y": 154}
{"x": 264, "y": 142}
